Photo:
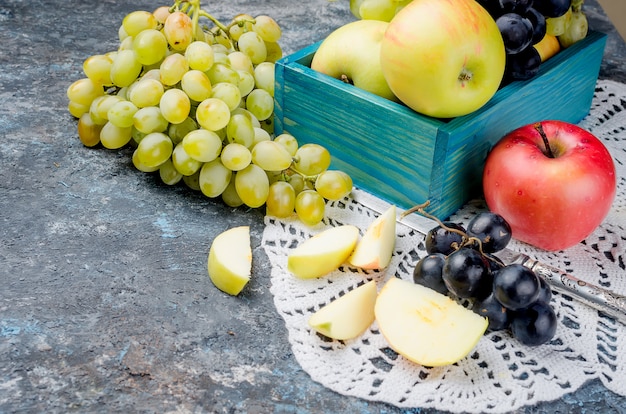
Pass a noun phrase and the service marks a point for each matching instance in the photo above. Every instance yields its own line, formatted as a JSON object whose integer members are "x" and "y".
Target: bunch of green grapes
{"x": 376, "y": 9}
{"x": 571, "y": 26}
{"x": 196, "y": 102}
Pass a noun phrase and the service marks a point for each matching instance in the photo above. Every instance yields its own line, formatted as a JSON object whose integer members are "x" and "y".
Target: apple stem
{"x": 544, "y": 137}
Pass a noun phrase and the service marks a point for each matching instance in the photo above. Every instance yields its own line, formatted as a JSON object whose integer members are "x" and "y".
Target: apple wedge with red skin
{"x": 553, "y": 199}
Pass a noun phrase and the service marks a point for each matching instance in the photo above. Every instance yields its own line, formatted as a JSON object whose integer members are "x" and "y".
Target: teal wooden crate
{"x": 406, "y": 158}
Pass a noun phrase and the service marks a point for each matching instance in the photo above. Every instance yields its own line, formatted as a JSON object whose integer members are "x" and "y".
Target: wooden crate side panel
{"x": 382, "y": 145}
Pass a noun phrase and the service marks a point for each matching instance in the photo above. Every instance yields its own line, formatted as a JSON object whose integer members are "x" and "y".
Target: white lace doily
{"x": 500, "y": 375}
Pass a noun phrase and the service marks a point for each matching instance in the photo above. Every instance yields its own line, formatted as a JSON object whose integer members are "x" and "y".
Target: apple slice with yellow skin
{"x": 230, "y": 260}
{"x": 375, "y": 248}
{"x": 425, "y": 326}
{"x": 323, "y": 253}
{"x": 347, "y": 316}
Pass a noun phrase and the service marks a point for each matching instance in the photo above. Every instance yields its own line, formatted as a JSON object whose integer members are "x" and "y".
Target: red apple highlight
{"x": 553, "y": 199}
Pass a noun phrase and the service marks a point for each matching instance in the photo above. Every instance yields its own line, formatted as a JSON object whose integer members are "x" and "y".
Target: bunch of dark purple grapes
{"x": 461, "y": 263}
{"x": 522, "y": 24}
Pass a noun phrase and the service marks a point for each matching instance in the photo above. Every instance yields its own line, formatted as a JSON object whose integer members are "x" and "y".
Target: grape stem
{"x": 467, "y": 239}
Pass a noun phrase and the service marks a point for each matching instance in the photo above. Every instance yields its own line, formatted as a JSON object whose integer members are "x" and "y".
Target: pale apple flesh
{"x": 230, "y": 260}
{"x": 443, "y": 58}
{"x": 375, "y": 249}
{"x": 352, "y": 52}
{"x": 349, "y": 315}
{"x": 323, "y": 253}
{"x": 424, "y": 326}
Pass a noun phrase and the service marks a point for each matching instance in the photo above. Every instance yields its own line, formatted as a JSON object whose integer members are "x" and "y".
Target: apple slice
{"x": 323, "y": 253}
{"x": 425, "y": 326}
{"x": 230, "y": 260}
{"x": 375, "y": 249}
{"x": 347, "y": 316}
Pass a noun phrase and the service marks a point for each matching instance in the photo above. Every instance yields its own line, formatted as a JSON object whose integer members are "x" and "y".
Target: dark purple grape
{"x": 545, "y": 293}
{"x": 552, "y": 8}
{"x": 538, "y": 21}
{"x": 534, "y": 325}
{"x": 516, "y": 30}
{"x": 523, "y": 65}
{"x": 515, "y": 286}
{"x": 494, "y": 262}
{"x": 491, "y": 229}
{"x": 428, "y": 272}
{"x": 444, "y": 241}
{"x": 498, "y": 316}
{"x": 466, "y": 274}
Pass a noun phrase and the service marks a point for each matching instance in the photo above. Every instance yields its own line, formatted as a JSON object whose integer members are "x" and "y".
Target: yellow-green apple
{"x": 425, "y": 326}
{"x": 349, "y": 315}
{"x": 324, "y": 252}
{"x": 376, "y": 9}
{"x": 552, "y": 181}
{"x": 230, "y": 260}
{"x": 443, "y": 58}
{"x": 375, "y": 248}
{"x": 351, "y": 53}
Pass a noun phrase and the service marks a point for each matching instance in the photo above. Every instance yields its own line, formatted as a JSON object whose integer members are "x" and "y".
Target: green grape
{"x": 172, "y": 69}
{"x": 192, "y": 181}
{"x": 281, "y": 200}
{"x": 121, "y": 113}
{"x": 333, "y": 184}
{"x": 152, "y": 74}
{"x": 137, "y": 135}
{"x": 146, "y": 92}
{"x": 77, "y": 110}
{"x": 93, "y": 110}
{"x": 235, "y": 156}
{"x": 297, "y": 182}
{"x": 202, "y": 145}
{"x": 260, "y": 135}
{"x": 264, "y": 77}
{"x": 199, "y": 55}
{"x": 575, "y": 31}
{"x": 240, "y": 130}
{"x": 196, "y": 85}
{"x": 125, "y": 68}
{"x": 175, "y": 106}
{"x": 114, "y": 137}
{"x": 178, "y": 131}
{"x": 556, "y": 26}
{"x": 271, "y": 156}
{"x": 88, "y": 131}
{"x": 251, "y": 117}
{"x": 121, "y": 33}
{"x": 241, "y": 23}
{"x": 84, "y": 91}
{"x": 228, "y": 93}
{"x": 214, "y": 178}
{"x": 222, "y": 50}
{"x": 183, "y": 163}
{"x": 252, "y": 185}
{"x": 161, "y": 13}
{"x": 150, "y": 46}
{"x": 100, "y": 106}
{"x": 311, "y": 159}
{"x": 126, "y": 44}
{"x": 142, "y": 167}
{"x": 149, "y": 119}
{"x": 230, "y": 196}
{"x": 98, "y": 69}
{"x": 267, "y": 28}
{"x": 178, "y": 29}
{"x": 222, "y": 72}
{"x": 289, "y": 142}
{"x": 169, "y": 174}
{"x": 253, "y": 45}
{"x": 213, "y": 114}
{"x": 154, "y": 149}
{"x": 260, "y": 103}
{"x": 274, "y": 52}
{"x": 310, "y": 207}
{"x": 246, "y": 82}
{"x": 240, "y": 61}
{"x": 137, "y": 21}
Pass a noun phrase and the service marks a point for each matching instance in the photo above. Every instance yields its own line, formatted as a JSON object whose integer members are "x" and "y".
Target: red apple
{"x": 553, "y": 199}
